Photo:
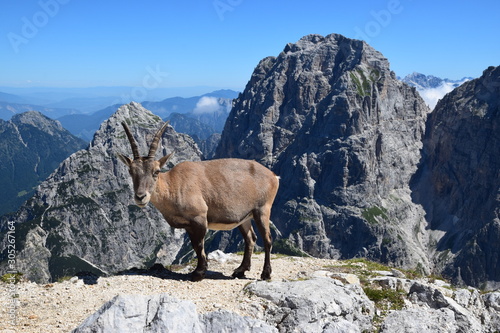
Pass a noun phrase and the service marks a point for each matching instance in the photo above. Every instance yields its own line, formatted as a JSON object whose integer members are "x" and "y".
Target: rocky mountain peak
{"x": 488, "y": 90}
{"x": 422, "y": 81}
{"x": 110, "y": 134}
{"x": 311, "y": 71}
{"x": 31, "y": 147}
{"x": 332, "y": 120}
{"x": 351, "y": 50}
{"x": 38, "y": 120}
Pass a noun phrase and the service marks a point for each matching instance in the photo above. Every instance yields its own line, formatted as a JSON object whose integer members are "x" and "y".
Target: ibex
{"x": 218, "y": 194}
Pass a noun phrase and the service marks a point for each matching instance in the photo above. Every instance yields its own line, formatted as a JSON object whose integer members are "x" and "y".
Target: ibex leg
{"x": 250, "y": 238}
{"x": 261, "y": 217}
{"x": 197, "y": 236}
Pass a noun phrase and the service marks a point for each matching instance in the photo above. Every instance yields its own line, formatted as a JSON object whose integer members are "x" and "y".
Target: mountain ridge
{"x": 422, "y": 81}
{"x": 85, "y": 125}
{"x": 8, "y": 110}
{"x": 31, "y": 147}
{"x": 458, "y": 181}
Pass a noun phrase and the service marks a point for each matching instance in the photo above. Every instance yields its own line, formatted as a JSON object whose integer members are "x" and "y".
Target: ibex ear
{"x": 165, "y": 159}
{"x": 125, "y": 159}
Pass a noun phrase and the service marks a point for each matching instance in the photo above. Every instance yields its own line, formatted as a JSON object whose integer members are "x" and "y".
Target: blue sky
{"x": 217, "y": 43}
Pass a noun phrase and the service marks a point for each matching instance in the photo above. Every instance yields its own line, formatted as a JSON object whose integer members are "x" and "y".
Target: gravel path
{"x": 60, "y": 307}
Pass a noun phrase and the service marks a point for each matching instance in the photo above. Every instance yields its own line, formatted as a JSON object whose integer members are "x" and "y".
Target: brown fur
{"x": 218, "y": 194}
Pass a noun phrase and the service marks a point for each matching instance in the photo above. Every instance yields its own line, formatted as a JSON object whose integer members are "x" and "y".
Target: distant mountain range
{"x": 60, "y": 102}
{"x": 209, "y": 110}
{"x": 89, "y": 100}
{"x": 202, "y": 117}
{"x": 432, "y": 88}
{"x": 9, "y": 109}
{"x": 85, "y": 125}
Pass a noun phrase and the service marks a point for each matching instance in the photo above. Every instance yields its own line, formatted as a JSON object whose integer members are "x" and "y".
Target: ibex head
{"x": 144, "y": 170}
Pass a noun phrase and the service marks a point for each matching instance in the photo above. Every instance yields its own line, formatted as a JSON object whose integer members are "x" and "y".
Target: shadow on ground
{"x": 157, "y": 271}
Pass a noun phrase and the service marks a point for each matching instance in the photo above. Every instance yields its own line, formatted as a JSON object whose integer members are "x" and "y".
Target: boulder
{"x": 315, "y": 305}
{"x": 163, "y": 313}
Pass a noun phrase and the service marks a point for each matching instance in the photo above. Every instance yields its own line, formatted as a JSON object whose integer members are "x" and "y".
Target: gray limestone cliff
{"x": 83, "y": 218}
{"x": 331, "y": 119}
{"x": 458, "y": 182}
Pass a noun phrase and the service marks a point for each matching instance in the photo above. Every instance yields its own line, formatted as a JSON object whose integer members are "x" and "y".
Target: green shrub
{"x": 385, "y": 299}
{"x": 12, "y": 278}
{"x": 371, "y": 214}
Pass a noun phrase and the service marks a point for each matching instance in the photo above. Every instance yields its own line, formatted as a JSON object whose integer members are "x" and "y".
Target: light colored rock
{"x": 322, "y": 274}
{"x": 420, "y": 321}
{"x": 219, "y": 256}
{"x": 309, "y": 305}
{"x": 383, "y": 273}
{"x": 397, "y": 273}
{"x": 225, "y": 321}
{"x": 466, "y": 320}
{"x": 341, "y": 326}
{"x": 493, "y": 300}
{"x": 393, "y": 283}
{"x": 138, "y": 313}
{"x": 163, "y": 313}
{"x": 346, "y": 278}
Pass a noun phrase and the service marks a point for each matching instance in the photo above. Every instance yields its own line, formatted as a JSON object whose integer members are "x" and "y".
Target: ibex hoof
{"x": 238, "y": 274}
{"x": 266, "y": 275}
{"x": 197, "y": 276}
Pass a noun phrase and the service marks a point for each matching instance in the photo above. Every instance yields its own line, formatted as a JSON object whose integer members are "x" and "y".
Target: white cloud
{"x": 432, "y": 95}
{"x": 206, "y": 105}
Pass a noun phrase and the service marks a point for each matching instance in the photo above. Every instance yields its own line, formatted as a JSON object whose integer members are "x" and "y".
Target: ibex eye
{"x": 156, "y": 173}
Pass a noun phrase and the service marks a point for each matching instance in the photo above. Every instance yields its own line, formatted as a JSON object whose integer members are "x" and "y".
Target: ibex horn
{"x": 156, "y": 140}
{"x": 135, "y": 149}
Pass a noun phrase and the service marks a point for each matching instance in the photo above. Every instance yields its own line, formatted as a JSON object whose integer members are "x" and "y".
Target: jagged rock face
{"x": 209, "y": 145}
{"x": 330, "y": 118}
{"x": 458, "y": 182}
{"x": 31, "y": 147}
{"x": 83, "y": 218}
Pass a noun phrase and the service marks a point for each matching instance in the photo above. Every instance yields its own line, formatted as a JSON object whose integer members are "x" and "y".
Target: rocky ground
{"x": 305, "y": 294}
{"x": 62, "y": 306}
